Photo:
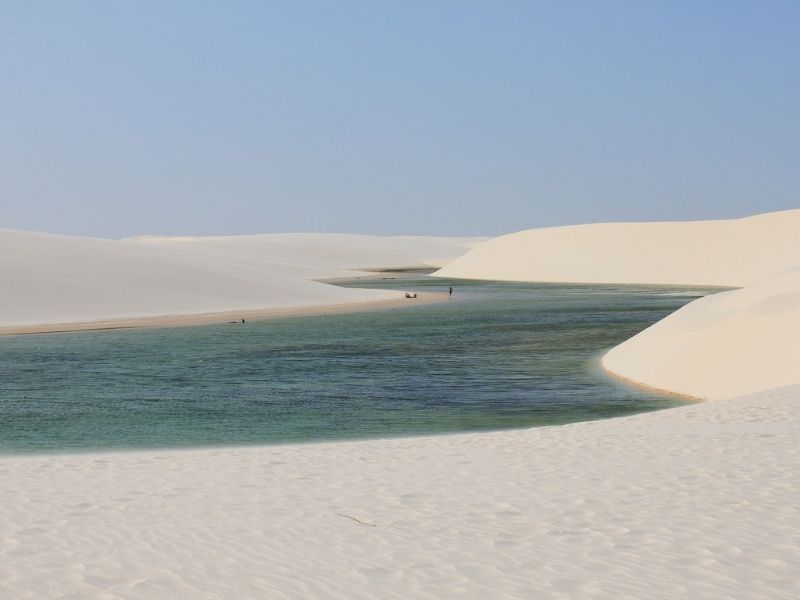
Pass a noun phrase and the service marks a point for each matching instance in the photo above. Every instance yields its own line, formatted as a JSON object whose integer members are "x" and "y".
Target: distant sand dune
{"x": 733, "y": 252}
{"x": 52, "y": 279}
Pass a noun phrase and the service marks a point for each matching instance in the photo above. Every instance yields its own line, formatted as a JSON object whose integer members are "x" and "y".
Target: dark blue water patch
{"x": 495, "y": 356}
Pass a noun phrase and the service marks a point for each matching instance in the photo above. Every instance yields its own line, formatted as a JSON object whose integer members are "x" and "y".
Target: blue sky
{"x": 119, "y": 118}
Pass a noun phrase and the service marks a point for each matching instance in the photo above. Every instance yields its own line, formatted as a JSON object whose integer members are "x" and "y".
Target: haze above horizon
{"x": 446, "y": 118}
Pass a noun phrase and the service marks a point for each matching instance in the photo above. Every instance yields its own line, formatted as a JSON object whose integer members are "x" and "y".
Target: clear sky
{"x": 429, "y": 117}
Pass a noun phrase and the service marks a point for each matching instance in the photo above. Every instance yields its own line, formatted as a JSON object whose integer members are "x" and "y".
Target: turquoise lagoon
{"x": 495, "y": 356}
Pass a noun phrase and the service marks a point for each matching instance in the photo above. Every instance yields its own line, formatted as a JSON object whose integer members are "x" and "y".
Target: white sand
{"x": 698, "y": 502}
{"x": 720, "y": 346}
{"x": 51, "y": 279}
{"x": 716, "y": 253}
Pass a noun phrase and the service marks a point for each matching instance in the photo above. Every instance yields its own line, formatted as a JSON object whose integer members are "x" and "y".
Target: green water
{"x": 495, "y": 356}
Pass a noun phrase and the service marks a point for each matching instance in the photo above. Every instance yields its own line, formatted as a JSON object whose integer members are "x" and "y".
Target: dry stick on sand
{"x": 356, "y": 520}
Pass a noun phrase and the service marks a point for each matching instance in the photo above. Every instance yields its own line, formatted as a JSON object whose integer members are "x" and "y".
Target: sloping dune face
{"x": 716, "y": 253}
{"x": 61, "y": 279}
{"x": 720, "y": 346}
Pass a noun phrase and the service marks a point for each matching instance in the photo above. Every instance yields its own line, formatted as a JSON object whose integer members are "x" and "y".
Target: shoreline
{"x": 224, "y": 317}
{"x": 689, "y": 399}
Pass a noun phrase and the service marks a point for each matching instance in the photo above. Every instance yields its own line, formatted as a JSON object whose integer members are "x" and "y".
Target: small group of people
{"x": 413, "y": 295}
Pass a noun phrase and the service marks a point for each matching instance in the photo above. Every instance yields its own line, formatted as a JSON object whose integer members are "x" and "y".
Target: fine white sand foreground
{"x": 63, "y": 280}
{"x": 732, "y": 252}
{"x": 697, "y": 502}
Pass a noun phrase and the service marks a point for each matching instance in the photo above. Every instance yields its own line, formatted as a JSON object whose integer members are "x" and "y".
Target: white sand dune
{"x": 60, "y": 279}
{"x": 731, "y": 253}
{"x": 696, "y": 502}
{"x": 723, "y": 345}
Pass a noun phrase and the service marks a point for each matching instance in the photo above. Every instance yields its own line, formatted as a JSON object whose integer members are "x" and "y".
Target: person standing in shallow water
{"x": 451, "y": 291}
